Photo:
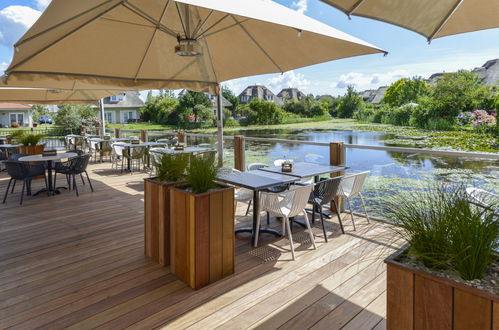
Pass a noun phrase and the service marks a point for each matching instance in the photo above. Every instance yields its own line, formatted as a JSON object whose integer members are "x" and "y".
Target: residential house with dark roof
{"x": 258, "y": 92}
{"x": 373, "y": 95}
{"x": 489, "y": 72}
{"x": 15, "y": 113}
{"x": 290, "y": 94}
{"x": 123, "y": 108}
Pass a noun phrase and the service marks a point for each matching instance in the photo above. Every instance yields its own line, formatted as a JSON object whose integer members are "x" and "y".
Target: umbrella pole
{"x": 102, "y": 117}
{"x": 220, "y": 130}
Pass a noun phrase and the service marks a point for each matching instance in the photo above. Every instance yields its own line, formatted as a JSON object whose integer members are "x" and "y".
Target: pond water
{"x": 391, "y": 172}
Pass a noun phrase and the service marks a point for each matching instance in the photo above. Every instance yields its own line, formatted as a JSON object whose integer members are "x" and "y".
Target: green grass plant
{"x": 173, "y": 167}
{"x": 202, "y": 173}
{"x": 445, "y": 231}
{"x": 26, "y": 138}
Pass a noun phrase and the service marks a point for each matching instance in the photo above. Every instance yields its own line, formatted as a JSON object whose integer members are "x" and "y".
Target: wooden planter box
{"x": 202, "y": 235}
{"x": 157, "y": 220}
{"x": 32, "y": 150}
{"x": 420, "y": 300}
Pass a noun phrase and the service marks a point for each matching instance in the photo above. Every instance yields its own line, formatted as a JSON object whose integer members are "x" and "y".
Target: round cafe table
{"x": 50, "y": 166}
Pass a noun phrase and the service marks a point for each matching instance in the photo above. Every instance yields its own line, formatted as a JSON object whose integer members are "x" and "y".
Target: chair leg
{"x": 351, "y": 213}
{"x": 268, "y": 218}
{"x": 47, "y": 185}
{"x": 69, "y": 181}
{"x": 75, "y": 187}
{"x": 364, "y": 207}
{"x": 22, "y": 192}
{"x": 7, "y": 191}
{"x": 322, "y": 222}
{"x": 81, "y": 176}
{"x": 310, "y": 230}
{"x": 339, "y": 216}
{"x": 290, "y": 236}
{"x": 13, "y": 186}
{"x": 89, "y": 182}
{"x": 249, "y": 205}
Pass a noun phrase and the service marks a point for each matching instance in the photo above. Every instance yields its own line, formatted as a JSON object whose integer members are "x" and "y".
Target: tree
{"x": 263, "y": 112}
{"x": 189, "y": 104}
{"x": 190, "y": 99}
{"x": 38, "y": 111}
{"x": 231, "y": 97}
{"x": 350, "y": 103}
{"x": 69, "y": 117}
{"x": 405, "y": 91}
{"x": 159, "y": 108}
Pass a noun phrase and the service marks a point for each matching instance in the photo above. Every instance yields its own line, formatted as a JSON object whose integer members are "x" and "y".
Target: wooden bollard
{"x": 144, "y": 136}
{"x": 117, "y": 132}
{"x": 239, "y": 153}
{"x": 181, "y": 137}
{"x": 337, "y": 158}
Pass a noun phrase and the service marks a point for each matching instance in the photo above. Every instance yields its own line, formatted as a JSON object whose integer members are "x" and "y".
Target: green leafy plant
{"x": 201, "y": 174}
{"x": 26, "y": 138}
{"x": 173, "y": 167}
{"x": 445, "y": 231}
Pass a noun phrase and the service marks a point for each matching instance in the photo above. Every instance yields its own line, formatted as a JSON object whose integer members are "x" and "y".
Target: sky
{"x": 409, "y": 53}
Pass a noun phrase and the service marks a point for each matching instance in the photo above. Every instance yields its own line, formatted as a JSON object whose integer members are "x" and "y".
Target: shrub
{"x": 445, "y": 231}
{"x": 381, "y": 113}
{"x": 465, "y": 118}
{"x": 365, "y": 114}
{"x": 405, "y": 91}
{"x": 399, "y": 116}
{"x": 439, "y": 124}
{"x": 263, "y": 112}
{"x": 349, "y": 104}
{"x": 483, "y": 122}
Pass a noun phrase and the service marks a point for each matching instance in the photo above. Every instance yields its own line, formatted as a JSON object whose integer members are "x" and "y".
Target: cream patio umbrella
{"x": 171, "y": 44}
{"x": 430, "y": 18}
{"x": 53, "y": 96}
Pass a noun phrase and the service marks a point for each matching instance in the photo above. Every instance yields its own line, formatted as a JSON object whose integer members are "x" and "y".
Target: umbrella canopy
{"x": 53, "y": 96}
{"x": 433, "y": 19}
{"x": 168, "y": 44}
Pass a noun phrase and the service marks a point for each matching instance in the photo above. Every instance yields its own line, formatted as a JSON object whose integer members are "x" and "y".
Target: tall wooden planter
{"x": 32, "y": 150}
{"x": 420, "y": 300}
{"x": 202, "y": 234}
{"x": 157, "y": 220}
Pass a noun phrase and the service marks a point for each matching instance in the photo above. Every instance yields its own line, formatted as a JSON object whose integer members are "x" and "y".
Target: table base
{"x": 261, "y": 230}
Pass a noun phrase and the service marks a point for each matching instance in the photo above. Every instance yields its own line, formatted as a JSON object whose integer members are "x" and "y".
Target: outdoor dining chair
{"x": 117, "y": 155}
{"x": 351, "y": 186}
{"x": 104, "y": 148}
{"x": 483, "y": 198}
{"x": 287, "y": 205}
{"x": 256, "y": 166}
{"x": 323, "y": 193}
{"x": 135, "y": 155}
{"x": 26, "y": 172}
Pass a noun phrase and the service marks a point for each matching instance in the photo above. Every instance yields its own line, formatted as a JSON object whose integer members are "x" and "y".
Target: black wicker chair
{"x": 73, "y": 167}
{"x": 25, "y": 172}
{"x": 15, "y": 157}
{"x": 323, "y": 193}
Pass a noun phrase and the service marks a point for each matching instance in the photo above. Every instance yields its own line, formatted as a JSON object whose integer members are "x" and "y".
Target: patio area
{"x": 78, "y": 262}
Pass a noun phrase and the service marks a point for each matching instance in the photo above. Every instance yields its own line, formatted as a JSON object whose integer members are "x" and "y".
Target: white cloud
{"x": 300, "y": 6}
{"x": 286, "y": 80}
{"x": 42, "y": 4}
{"x": 363, "y": 81}
{"x": 236, "y": 85}
{"x": 14, "y": 21}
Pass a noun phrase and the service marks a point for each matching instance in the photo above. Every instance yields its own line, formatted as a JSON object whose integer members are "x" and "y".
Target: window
{"x": 269, "y": 97}
{"x": 117, "y": 98}
{"x": 108, "y": 116}
{"x": 17, "y": 118}
{"x": 127, "y": 115}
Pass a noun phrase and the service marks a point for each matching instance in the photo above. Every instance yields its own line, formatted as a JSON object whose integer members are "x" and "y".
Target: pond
{"x": 391, "y": 172}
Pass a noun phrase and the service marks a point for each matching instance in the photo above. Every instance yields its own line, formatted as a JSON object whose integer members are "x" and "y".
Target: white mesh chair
{"x": 256, "y": 166}
{"x": 351, "y": 186}
{"x": 117, "y": 155}
{"x": 287, "y": 205}
{"x": 483, "y": 198}
{"x": 240, "y": 194}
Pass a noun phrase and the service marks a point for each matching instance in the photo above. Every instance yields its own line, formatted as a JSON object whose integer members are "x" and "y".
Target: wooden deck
{"x": 78, "y": 263}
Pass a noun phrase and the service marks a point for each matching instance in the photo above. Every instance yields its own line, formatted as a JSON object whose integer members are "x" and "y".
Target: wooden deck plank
{"x": 78, "y": 262}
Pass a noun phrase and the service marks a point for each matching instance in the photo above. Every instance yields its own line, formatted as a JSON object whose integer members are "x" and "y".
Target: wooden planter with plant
{"x": 448, "y": 277}
{"x": 202, "y": 226}
{"x": 30, "y": 142}
{"x": 170, "y": 171}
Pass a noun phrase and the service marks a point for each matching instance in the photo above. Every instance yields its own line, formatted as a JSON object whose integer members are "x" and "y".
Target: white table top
{"x": 185, "y": 150}
{"x": 41, "y": 158}
{"x": 142, "y": 144}
{"x": 10, "y": 145}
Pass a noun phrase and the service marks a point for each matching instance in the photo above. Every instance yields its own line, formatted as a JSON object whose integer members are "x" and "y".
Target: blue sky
{"x": 409, "y": 54}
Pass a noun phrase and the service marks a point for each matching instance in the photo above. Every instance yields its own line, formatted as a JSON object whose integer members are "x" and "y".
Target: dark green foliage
{"x": 366, "y": 113}
{"x": 307, "y": 107}
{"x": 349, "y": 104}
{"x": 201, "y": 174}
{"x": 26, "y": 138}
{"x": 173, "y": 167}
{"x": 445, "y": 231}
{"x": 38, "y": 111}
{"x": 263, "y": 112}
{"x": 405, "y": 91}
{"x": 231, "y": 97}
{"x": 71, "y": 116}
{"x": 159, "y": 109}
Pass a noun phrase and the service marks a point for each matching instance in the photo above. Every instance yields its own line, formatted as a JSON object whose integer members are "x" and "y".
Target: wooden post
{"x": 117, "y": 132}
{"x": 143, "y": 136}
{"x": 337, "y": 158}
{"x": 239, "y": 153}
{"x": 82, "y": 130}
{"x": 181, "y": 137}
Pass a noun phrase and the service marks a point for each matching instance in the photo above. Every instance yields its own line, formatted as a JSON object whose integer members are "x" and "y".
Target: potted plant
{"x": 447, "y": 275}
{"x": 30, "y": 142}
{"x": 171, "y": 170}
{"x": 202, "y": 226}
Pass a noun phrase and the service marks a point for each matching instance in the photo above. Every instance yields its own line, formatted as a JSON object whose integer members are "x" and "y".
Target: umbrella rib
{"x": 205, "y": 35}
{"x": 446, "y": 19}
{"x": 61, "y": 23}
{"x": 257, "y": 44}
{"x": 144, "y": 15}
{"x": 215, "y": 24}
{"x": 208, "y": 50}
{"x": 181, "y": 20}
{"x": 202, "y": 24}
{"x": 151, "y": 40}
{"x": 125, "y": 22}
{"x": 355, "y": 7}
{"x": 66, "y": 35}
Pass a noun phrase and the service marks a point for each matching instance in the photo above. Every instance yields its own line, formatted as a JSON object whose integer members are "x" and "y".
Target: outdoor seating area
{"x": 49, "y": 241}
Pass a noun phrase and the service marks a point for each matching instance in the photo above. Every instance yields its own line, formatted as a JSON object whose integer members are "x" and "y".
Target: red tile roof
{"x": 13, "y": 106}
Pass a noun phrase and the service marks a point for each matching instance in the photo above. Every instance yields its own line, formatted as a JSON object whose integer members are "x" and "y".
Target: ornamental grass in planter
{"x": 447, "y": 278}
{"x": 171, "y": 170}
{"x": 30, "y": 142}
{"x": 202, "y": 226}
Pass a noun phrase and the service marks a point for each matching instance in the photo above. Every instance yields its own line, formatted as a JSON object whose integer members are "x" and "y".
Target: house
{"x": 290, "y": 94}
{"x": 489, "y": 72}
{"x": 15, "y": 113}
{"x": 123, "y": 108}
{"x": 373, "y": 95}
{"x": 258, "y": 92}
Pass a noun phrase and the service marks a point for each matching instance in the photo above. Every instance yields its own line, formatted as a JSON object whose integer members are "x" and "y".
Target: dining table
{"x": 257, "y": 181}
{"x": 49, "y": 160}
{"x": 7, "y": 146}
